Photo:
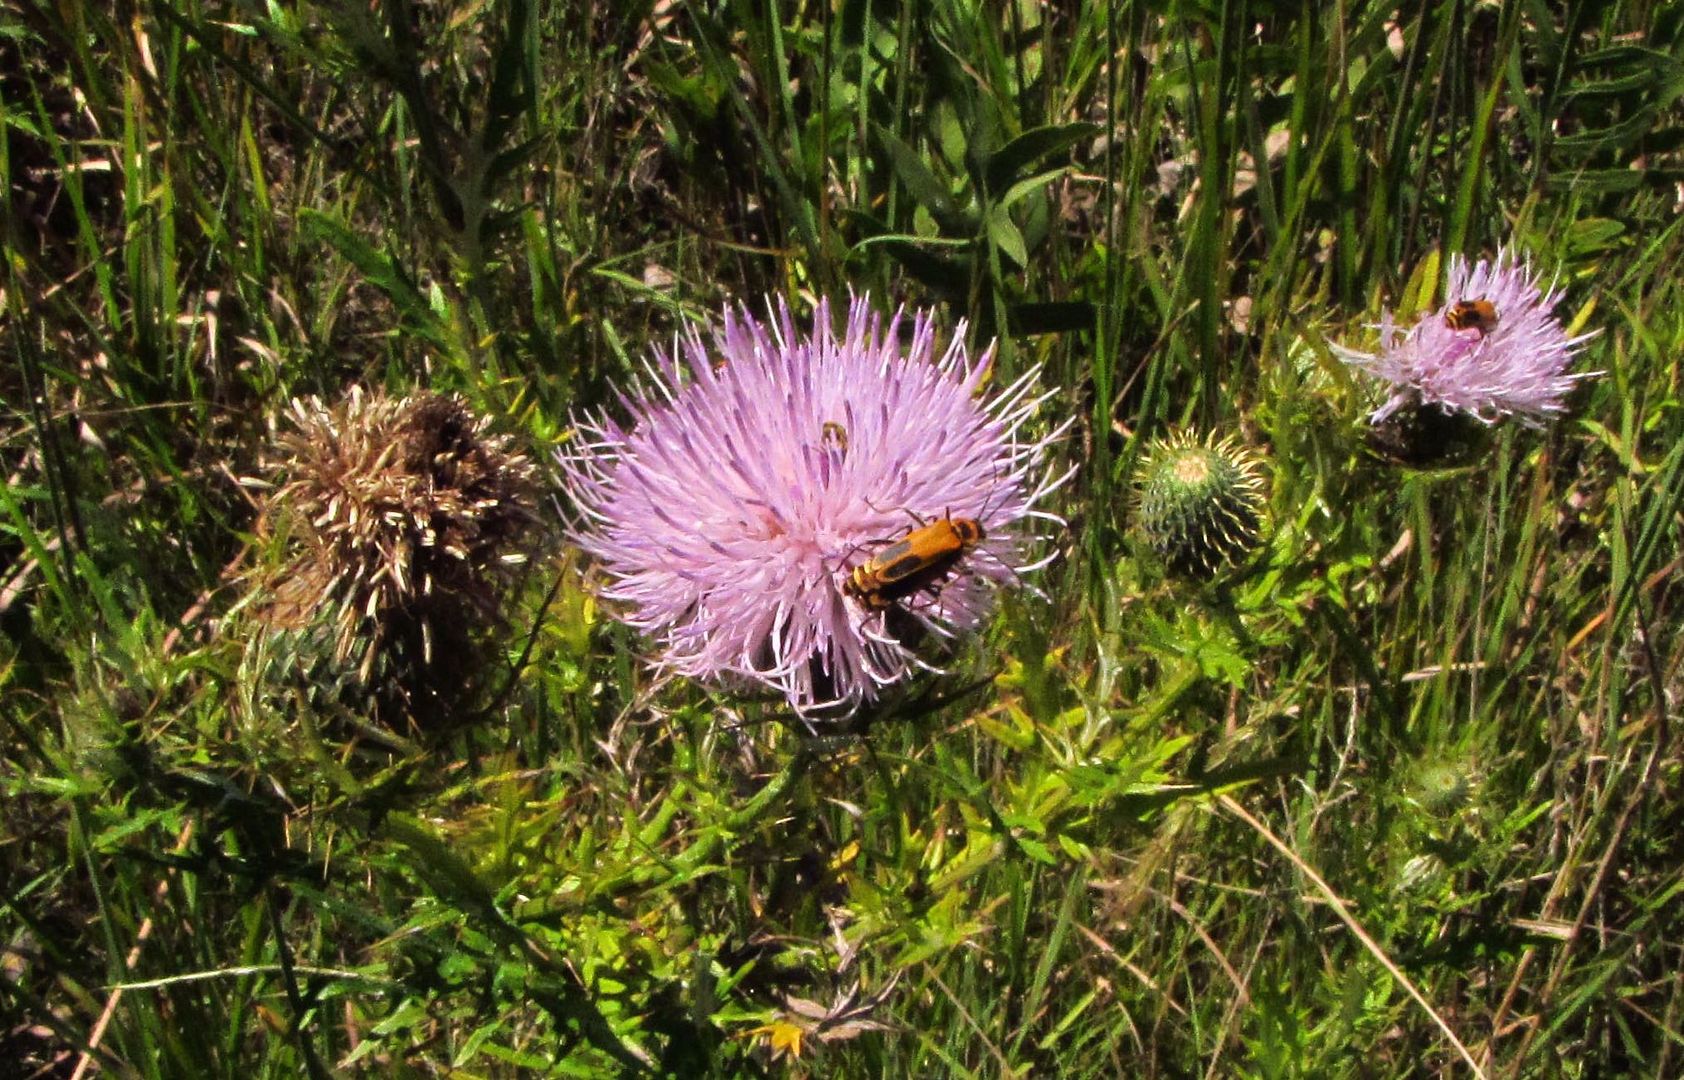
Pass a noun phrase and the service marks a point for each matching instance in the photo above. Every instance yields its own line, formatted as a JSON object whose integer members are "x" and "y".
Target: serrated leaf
{"x": 508, "y": 161}
{"x": 1596, "y": 181}
{"x": 1612, "y": 139}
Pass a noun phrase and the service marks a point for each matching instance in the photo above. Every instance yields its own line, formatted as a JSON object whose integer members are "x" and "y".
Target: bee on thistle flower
{"x": 760, "y": 519}
{"x": 1479, "y": 315}
{"x": 1494, "y": 349}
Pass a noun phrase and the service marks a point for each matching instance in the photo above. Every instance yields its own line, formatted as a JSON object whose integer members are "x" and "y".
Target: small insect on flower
{"x": 1495, "y": 349}
{"x": 1480, "y": 315}
{"x": 917, "y": 562}
{"x": 750, "y": 518}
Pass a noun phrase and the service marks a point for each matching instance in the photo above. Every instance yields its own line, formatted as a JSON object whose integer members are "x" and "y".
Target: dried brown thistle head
{"x": 404, "y": 518}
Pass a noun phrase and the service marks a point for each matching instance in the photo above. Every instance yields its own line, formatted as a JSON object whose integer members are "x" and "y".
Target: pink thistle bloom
{"x": 754, "y": 478}
{"x": 1493, "y": 349}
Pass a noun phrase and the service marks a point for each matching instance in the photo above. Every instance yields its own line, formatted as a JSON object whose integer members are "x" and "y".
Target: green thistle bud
{"x": 1441, "y": 788}
{"x": 1201, "y": 502}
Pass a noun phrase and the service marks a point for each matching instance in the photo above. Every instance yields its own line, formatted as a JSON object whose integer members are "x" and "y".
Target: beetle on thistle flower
{"x": 1494, "y": 349}
{"x": 732, "y": 512}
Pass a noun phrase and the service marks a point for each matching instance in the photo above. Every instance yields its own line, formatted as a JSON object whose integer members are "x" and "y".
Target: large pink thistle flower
{"x": 752, "y": 480}
{"x": 1494, "y": 349}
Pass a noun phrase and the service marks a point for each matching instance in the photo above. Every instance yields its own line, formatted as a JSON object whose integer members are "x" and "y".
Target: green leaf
{"x": 1594, "y": 234}
{"x": 917, "y": 178}
{"x": 1006, "y": 163}
{"x": 1036, "y": 850}
{"x": 948, "y": 276}
{"x": 1596, "y": 181}
{"x": 1033, "y": 183}
{"x": 689, "y": 91}
{"x": 1005, "y": 236}
{"x": 473, "y": 1043}
{"x": 1611, "y": 139}
{"x": 1077, "y": 850}
{"x": 381, "y": 270}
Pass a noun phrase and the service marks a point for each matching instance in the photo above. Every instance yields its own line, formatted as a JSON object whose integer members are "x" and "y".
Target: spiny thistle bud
{"x": 404, "y": 519}
{"x": 1201, "y": 502}
{"x": 1441, "y": 788}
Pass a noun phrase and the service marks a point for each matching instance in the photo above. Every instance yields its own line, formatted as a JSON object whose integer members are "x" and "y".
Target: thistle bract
{"x": 1494, "y": 349}
{"x": 1201, "y": 502}
{"x": 754, "y": 476}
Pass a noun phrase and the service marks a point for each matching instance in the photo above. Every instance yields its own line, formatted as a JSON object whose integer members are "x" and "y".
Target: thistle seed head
{"x": 403, "y": 518}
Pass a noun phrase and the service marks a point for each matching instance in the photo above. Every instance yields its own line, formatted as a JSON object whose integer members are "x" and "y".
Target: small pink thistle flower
{"x": 751, "y": 482}
{"x": 1493, "y": 349}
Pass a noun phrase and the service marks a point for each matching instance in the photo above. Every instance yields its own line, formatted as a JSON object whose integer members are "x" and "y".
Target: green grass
{"x": 1416, "y": 771}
